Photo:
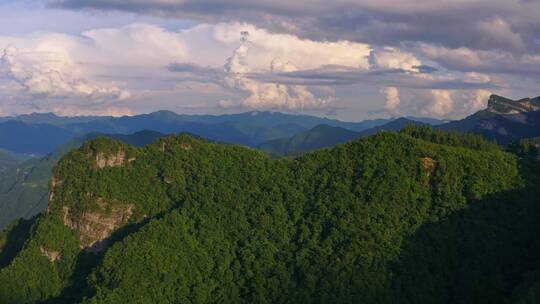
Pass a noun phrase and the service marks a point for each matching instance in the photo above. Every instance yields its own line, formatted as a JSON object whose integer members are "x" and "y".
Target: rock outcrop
{"x": 52, "y": 255}
{"x": 114, "y": 160}
{"x": 505, "y": 106}
{"x": 94, "y": 227}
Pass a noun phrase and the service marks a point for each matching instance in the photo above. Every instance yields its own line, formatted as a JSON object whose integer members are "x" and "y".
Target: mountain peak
{"x": 502, "y": 105}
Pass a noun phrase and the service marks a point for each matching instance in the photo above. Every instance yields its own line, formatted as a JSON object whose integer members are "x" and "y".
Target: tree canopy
{"x": 419, "y": 216}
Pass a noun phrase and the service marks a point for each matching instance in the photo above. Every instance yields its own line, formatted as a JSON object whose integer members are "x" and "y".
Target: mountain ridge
{"x": 329, "y": 225}
{"x": 504, "y": 120}
{"x": 24, "y": 186}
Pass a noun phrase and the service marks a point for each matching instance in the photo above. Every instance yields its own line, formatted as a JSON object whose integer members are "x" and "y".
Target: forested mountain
{"x": 324, "y": 136}
{"x": 394, "y": 125}
{"x": 504, "y": 120}
{"x": 24, "y": 186}
{"x": 319, "y": 137}
{"x": 419, "y": 216}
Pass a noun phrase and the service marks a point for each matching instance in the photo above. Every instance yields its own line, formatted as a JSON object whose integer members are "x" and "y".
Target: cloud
{"x": 258, "y": 51}
{"x": 339, "y": 76}
{"x": 392, "y": 99}
{"x": 49, "y": 77}
{"x": 441, "y": 104}
{"x": 267, "y": 95}
{"x": 475, "y": 24}
{"x": 450, "y": 104}
{"x": 101, "y": 111}
{"x": 300, "y": 51}
{"x": 191, "y": 68}
{"x": 389, "y": 58}
{"x": 133, "y": 45}
{"x": 489, "y": 61}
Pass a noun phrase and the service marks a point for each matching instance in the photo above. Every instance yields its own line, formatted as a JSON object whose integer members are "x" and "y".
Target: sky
{"x": 345, "y": 59}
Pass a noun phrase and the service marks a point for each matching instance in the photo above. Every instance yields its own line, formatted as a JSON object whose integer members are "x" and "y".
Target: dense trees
{"x": 393, "y": 218}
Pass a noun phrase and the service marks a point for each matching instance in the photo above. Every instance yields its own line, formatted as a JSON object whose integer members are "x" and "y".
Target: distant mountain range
{"x": 44, "y": 133}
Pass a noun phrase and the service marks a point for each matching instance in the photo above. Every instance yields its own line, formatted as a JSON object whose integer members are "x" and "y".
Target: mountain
{"x": 528, "y": 147}
{"x": 20, "y": 137}
{"x": 9, "y": 159}
{"x": 251, "y": 128}
{"x": 264, "y": 119}
{"x": 319, "y": 137}
{"x": 504, "y": 120}
{"x": 324, "y": 136}
{"x": 394, "y": 125}
{"x": 24, "y": 187}
{"x": 504, "y": 106}
{"x": 419, "y": 216}
{"x": 51, "y": 119}
{"x": 427, "y": 120}
{"x": 43, "y": 133}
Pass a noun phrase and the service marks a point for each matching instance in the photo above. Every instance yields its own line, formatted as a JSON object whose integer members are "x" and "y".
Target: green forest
{"x": 417, "y": 216}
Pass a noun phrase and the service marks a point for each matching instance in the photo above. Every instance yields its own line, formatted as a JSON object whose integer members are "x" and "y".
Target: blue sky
{"x": 350, "y": 59}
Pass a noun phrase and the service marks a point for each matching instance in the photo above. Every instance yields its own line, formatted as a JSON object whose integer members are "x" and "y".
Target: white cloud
{"x": 107, "y": 63}
{"x": 451, "y": 104}
{"x": 135, "y": 45}
{"x": 193, "y": 68}
{"x": 51, "y": 76}
{"x": 442, "y": 103}
{"x": 392, "y": 58}
{"x": 268, "y": 95}
{"x": 392, "y": 99}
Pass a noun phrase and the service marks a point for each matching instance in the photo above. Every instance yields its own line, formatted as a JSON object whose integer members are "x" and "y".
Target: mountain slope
{"x": 20, "y": 137}
{"x": 24, "y": 188}
{"x": 319, "y": 137}
{"x": 324, "y": 136}
{"x": 9, "y": 159}
{"x": 394, "y": 125}
{"x": 184, "y": 220}
{"x": 504, "y": 120}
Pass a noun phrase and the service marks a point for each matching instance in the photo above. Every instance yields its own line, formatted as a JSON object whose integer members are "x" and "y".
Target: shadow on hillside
{"x": 88, "y": 261}
{"x": 478, "y": 255}
{"x": 15, "y": 238}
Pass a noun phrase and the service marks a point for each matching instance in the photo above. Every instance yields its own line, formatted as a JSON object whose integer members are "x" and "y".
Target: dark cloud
{"x": 336, "y": 76}
{"x": 476, "y": 24}
{"x": 192, "y": 68}
{"x": 493, "y": 62}
{"x": 426, "y": 69}
{"x": 193, "y": 72}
